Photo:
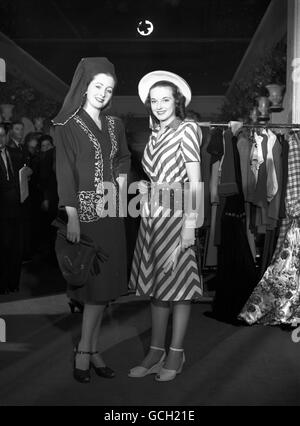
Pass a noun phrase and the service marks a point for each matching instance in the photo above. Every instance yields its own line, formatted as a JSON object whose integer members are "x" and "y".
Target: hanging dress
{"x": 164, "y": 162}
{"x": 276, "y": 298}
{"x": 236, "y": 275}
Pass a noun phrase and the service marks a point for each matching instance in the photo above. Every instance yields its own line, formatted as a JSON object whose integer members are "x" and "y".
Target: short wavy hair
{"x": 178, "y": 97}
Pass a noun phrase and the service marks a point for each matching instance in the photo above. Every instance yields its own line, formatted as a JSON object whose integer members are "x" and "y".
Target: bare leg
{"x": 160, "y": 314}
{"x": 181, "y": 315}
{"x": 96, "y": 358}
{"x": 89, "y": 321}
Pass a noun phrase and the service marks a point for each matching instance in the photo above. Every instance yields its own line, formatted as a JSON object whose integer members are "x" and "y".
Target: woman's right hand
{"x": 73, "y": 226}
{"x": 73, "y": 230}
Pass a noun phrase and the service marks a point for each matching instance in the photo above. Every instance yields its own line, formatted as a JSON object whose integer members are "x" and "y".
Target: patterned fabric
{"x": 164, "y": 161}
{"x": 292, "y": 199}
{"x": 293, "y": 196}
{"x": 257, "y": 157}
{"x": 91, "y": 203}
{"x": 276, "y": 298}
{"x": 164, "y": 158}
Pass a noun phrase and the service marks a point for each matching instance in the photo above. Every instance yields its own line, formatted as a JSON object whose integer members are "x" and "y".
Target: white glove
{"x": 187, "y": 238}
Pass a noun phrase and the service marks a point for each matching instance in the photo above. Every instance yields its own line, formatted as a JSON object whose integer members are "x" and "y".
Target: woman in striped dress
{"x": 164, "y": 264}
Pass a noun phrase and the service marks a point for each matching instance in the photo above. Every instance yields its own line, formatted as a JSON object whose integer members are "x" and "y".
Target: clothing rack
{"x": 255, "y": 126}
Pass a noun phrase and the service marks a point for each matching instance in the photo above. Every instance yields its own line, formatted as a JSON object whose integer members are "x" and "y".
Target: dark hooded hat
{"x": 84, "y": 73}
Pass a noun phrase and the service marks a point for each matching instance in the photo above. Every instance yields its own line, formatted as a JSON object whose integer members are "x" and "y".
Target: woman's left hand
{"x": 187, "y": 238}
{"x": 143, "y": 187}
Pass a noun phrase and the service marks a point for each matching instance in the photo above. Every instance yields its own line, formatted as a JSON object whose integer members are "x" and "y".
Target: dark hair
{"x": 3, "y": 126}
{"x": 46, "y": 138}
{"x": 16, "y": 122}
{"x": 31, "y": 136}
{"x": 193, "y": 115}
{"x": 178, "y": 97}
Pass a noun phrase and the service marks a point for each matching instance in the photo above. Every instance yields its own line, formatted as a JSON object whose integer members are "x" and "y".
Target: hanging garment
{"x": 276, "y": 298}
{"x": 259, "y": 197}
{"x": 250, "y": 235}
{"x": 243, "y": 146}
{"x": 236, "y": 276}
{"x": 211, "y": 256}
{"x": 284, "y": 162}
{"x": 292, "y": 198}
{"x": 272, "y": 183}
{"x": 215, "y": 148}
{"x": 268, "y": 250}
{"x": 228, "y": 184}
{"x": 260, "y": 194}
{"x": 206, "y": 172}
{"x": 274, "y": 205}
{"x": 256, "y": 157}
{"x": 251, "y": 180}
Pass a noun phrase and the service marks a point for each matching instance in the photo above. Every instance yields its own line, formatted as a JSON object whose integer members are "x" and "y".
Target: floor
{"x": 226, "y": 364}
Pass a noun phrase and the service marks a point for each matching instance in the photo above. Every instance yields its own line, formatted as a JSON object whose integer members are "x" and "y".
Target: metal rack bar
{"x": 255, "y": 126}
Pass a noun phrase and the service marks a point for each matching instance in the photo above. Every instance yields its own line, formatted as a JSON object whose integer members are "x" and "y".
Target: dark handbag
{"x": 77, "y": 260}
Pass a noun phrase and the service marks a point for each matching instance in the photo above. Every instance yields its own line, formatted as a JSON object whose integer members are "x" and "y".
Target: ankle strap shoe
{"x": 165, "y": 375}
{"x": 81, "y": 376}
{"x": 140, "y": 371}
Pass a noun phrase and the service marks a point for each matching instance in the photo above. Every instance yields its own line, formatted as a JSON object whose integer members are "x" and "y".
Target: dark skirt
{"x": 111, "y": 283}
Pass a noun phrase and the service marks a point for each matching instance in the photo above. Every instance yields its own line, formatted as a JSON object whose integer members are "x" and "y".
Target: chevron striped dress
{"x": 164, "y": 162}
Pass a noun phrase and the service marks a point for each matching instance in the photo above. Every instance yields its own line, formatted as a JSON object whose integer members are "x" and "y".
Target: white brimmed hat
{"x": 153, "y": 77}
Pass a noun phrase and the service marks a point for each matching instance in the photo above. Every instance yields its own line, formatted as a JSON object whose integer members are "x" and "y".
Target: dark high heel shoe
{"x": 105, "y": 372}
{"x": 75, "y": 306}
{"x": 82, "y": 376}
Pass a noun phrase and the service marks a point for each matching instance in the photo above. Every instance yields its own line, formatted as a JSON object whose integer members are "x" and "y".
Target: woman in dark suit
{"x": 91, "y": 153}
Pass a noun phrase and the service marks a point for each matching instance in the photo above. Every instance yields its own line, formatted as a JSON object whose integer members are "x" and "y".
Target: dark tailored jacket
{"x": 47, "y": 177}
{"x": 10, "y": 206}
{"x": 18, "y": 153}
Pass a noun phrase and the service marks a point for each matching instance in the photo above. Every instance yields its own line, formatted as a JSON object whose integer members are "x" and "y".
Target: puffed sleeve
{"x": 191, "y": 143}
{"x": 65, "y": 167}
{"x": 123, "y": 160}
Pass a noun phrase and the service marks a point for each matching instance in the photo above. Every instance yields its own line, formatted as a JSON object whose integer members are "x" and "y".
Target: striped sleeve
{"x": 191, "y": 143}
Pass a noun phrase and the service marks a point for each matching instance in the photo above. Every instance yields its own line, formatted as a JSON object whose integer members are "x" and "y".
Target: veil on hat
{"x": 84, "y": 73}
